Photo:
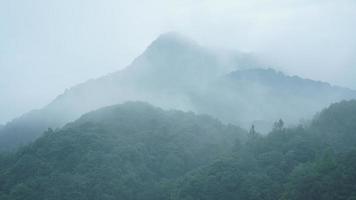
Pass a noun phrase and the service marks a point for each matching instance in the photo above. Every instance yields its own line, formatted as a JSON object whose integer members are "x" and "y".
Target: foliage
{"x": 136, "y": 151}
{"x": 309, "y": 163}
{"x": 121, "y": 152}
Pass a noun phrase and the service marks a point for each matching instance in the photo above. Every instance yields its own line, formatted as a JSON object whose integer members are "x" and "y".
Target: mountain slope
{"x": 136, "y": 151}
{"x": 299, "y": 163}
{"x": 124, "y": 151}
{"x": 170, "y": 69}
{"x": 175, "y": 72}
{"x": 262, "y": 96}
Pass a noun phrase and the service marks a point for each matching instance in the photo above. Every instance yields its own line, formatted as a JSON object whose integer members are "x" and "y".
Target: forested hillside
{"x": 262, "y": 96}
{"x": 137, "y": 151}
{"x": 129, "y": 151}
{"x": 172, "y": 68}
{"x": 306, "y": 162}
{"x": 175, "y": 72}
{"x": 178, "y": 100}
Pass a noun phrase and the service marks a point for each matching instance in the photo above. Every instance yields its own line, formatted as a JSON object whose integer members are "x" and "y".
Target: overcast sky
{"x": 47, "y": 46}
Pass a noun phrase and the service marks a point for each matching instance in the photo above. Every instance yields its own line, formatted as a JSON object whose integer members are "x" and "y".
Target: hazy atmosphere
{"x": 178, "y": 100}
{"x": 48, "y": 46}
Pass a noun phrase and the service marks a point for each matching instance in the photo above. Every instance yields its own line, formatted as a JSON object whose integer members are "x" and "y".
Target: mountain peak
{"x": 172, "y": 39}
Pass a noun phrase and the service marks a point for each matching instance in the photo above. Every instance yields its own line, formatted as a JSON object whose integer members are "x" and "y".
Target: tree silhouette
{"x": 278, "y": 125}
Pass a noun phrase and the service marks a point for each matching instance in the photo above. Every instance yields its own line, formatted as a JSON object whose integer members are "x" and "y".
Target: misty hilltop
{"x": 243, "y": 100}
{"x": 175, "y": 72}
{"x": 126, "y": 151}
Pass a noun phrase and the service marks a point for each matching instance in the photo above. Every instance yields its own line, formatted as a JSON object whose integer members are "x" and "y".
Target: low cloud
{"x": 47, "y": 46}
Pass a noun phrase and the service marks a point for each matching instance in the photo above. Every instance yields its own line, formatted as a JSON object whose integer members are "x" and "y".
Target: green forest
{"x": 136, "y": 151}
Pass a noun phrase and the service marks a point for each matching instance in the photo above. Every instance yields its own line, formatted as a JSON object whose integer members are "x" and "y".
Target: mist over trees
{"x": 293, "y": 163}
{"x": 182, "y": 123}
{"x": 137, "y": 151}
{"x": 128, "y": 151}
{"x": 175, "y": 72}
{"x": 178, "y": 100}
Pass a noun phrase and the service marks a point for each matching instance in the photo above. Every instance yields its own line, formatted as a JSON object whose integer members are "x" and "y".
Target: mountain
{"x": 136, "y": 151}
{"x": 176, "y": 72}
{"x": 127, "y": 151}
{"x": 298, "y": 163}
{"x": 262, "y": 96}
{"x": 170, "y": 69}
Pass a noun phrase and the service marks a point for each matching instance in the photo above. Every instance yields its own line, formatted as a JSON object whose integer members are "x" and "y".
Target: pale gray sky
{"x": 47, "y": 46}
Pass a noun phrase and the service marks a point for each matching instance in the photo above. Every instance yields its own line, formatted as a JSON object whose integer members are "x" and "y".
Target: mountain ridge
{"x": 189, "y": 77}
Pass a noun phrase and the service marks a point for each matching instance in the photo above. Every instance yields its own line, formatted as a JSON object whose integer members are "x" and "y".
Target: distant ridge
{"x": 175, "y": 72}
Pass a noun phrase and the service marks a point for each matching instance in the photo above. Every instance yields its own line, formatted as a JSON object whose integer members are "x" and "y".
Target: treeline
{"x": 314, "y": 162}
{"x": 128, "y": 151}
{"x": 135, "y": 151}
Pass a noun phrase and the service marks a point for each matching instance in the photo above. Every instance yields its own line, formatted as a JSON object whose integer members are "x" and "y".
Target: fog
{"x": 48, "y": 46}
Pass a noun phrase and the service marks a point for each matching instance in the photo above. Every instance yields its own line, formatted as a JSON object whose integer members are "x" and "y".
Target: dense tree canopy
{"x": 310, "y": 163}
{"x": 127, "y": 152}
{"x": 136, "y": 151}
